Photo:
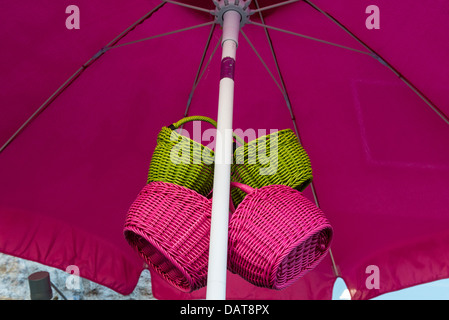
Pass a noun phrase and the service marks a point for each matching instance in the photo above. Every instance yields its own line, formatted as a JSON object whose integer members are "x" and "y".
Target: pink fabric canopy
{"x": 379, "y": 151}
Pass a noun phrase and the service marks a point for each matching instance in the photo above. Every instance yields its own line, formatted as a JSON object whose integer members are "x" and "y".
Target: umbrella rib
{"x": 340, "y": 25}
{"x": 197, "y": 76}
{"x": 425, "y": 99}
{"x": 308, "y": 37}
{"x": 43, "y": 106}
{"x": 161, "y": 35}
{"x": 284, "y": 89}
{"x": 378, "y": 57}
{"x": 208, "y": 61}
{"x": 77, "y": 73}
{"x": 261, "y": 60}
{"x": 287, "y": 99}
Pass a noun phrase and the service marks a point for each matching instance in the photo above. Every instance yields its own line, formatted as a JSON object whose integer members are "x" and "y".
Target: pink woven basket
{"x": 276, "y": 235}
{"x": 169, "y": 226}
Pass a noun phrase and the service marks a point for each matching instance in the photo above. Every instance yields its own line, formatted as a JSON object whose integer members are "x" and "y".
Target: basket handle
{"x": 241, "y": 186}
{"x": 245, "y": 188}
{"x": 176, "y": 125}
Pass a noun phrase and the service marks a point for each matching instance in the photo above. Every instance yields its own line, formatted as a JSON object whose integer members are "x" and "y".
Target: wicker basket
{"x": 276, "y": 235}
{"x": 195, "y": 173}
{"x": 169, "y": 226}
{"x": 287, "y": 163}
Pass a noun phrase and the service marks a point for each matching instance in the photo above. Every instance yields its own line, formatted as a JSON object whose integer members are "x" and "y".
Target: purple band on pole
{"x": 227, "y": 68}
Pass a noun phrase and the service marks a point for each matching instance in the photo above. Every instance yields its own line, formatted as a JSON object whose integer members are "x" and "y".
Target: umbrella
{"x": 365, "y": 89}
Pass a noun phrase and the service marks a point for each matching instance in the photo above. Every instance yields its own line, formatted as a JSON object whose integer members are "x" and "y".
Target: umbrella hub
{"x": 241, "y": 6}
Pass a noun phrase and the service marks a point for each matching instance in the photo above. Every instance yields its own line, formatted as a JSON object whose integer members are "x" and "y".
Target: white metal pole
{"x": 218, "y": 248}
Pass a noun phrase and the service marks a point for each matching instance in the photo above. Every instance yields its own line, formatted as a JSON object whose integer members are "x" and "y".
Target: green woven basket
{"x": 178, "y": 159}
{"x": 277, "y": 158}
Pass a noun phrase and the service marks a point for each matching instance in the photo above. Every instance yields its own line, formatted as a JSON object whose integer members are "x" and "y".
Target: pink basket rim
{"x": 144, "y": 235}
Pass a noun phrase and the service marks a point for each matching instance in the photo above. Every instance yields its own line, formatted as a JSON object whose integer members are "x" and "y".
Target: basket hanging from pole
{"x": 276, "y": 235}
{"x": 169, "y": 226}
{"x": 180, "y": 160}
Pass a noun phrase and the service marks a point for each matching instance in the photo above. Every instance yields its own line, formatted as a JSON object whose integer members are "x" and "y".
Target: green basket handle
{"x": 176, "y": 125}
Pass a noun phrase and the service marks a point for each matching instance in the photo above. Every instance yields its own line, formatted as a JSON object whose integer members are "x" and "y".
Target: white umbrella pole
{"x": 218, "y": 249}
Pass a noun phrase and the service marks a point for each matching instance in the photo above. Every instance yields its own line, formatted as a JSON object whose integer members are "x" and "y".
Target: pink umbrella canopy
{"x": 81, "y": 112}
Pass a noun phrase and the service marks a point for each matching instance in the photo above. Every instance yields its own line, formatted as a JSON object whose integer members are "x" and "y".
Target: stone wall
{"x": 14, "y": 285}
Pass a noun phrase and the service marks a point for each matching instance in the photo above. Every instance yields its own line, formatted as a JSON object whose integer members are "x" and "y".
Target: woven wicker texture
{"x": 169, "y": 226}
{"x": 194, "y": 170}
{"x": 280, "y": 155}
{"x": 276, "y": 235}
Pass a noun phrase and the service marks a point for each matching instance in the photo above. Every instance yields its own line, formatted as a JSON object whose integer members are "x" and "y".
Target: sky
{"x": 437, "y": 290}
